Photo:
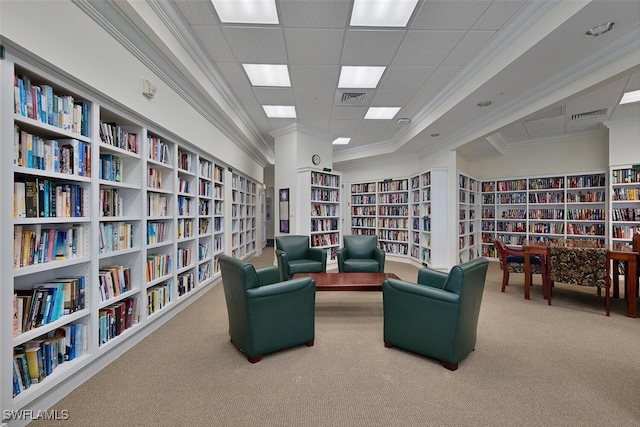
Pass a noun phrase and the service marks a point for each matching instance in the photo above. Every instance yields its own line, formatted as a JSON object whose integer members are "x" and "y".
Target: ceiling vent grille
{"x": 589, "y": 114}
{"x": 353, "y": 98}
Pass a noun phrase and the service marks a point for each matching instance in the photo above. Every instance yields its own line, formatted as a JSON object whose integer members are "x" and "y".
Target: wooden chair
{"x": 512, "y": 261}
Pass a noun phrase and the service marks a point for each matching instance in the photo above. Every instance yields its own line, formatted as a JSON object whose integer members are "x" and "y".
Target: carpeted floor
{"x": 534, "y": 365}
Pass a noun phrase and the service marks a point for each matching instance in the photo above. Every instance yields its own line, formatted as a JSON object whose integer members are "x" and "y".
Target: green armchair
{"x": 295, "y": 255}
{"x": 265, "y": 314}
{"x": 438, "y": 316}
{"x": 361, "y": 254}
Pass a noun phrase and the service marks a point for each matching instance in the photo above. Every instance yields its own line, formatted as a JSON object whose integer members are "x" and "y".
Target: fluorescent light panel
{"x": 629, "y": 97}
{"x": 382, "y": 13}
{"x": 246, "y": 11}
{"x": 268, "y": 75}
{"x": 280, "y": 111}
{"x": 381, "y": 113}
{"x": 341, "y": 141}
{"x": 360, "y": 77}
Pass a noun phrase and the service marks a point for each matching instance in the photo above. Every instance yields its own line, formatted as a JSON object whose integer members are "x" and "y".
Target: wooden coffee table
{"x": 348, "y": 281}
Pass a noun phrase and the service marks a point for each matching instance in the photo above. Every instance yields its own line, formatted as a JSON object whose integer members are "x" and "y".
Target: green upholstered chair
{"x": 295, "y": 255}
{"x": 265, "y": 314}
{"x": 438, "y": 316}
{"x": 360, "y": 254}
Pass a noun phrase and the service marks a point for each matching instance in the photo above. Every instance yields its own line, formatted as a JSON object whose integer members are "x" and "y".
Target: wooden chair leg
{"x": 310, "y": 344}
{"x": 254, "y": 359}
{"x": 450, "y": 366}
{"x": 387, "y": 345}
{"x": 505, "y": 279}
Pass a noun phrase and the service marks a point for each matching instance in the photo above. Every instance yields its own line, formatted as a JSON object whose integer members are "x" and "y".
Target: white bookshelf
{"x": 140, "y": 195}
{"x": 544, "y": 208}
{"x": 624, "y": 203}
{"x": 319, "y": 201}
{"x": 469, "y": 215}
{"x": 393, "y": 216}
{"x": 243, "y": 216}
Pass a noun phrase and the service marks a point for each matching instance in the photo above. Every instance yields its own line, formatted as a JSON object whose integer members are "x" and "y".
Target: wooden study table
{"x": 616, "y": 254}
{"x": 348, "y": 281}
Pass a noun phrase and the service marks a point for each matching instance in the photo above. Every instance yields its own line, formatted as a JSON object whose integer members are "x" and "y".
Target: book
{"x": 35, "y": 363}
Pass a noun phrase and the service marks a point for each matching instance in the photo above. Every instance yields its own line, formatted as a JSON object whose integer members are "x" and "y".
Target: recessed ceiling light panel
{"x": 630, "y": 97}
{"x": 360, "y": 77}
{"x": 246, "y": 11}
{"x": 268, "y": 75}
{"x": 341, "y": 141}
{"x": 381, "y": 113}
{"x": 280, "y": 111}
{"x": 382, "y": 13}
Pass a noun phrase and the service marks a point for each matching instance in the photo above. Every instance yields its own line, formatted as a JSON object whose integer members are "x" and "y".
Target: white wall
{"x": 89, "y": 54}
{"x": 374, "y": 172}
{"x": 624, "y": 144}
{"x": 584, "y": 154}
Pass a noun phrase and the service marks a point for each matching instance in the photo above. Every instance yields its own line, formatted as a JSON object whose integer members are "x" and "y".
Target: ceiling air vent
{"x": 589, "y": 114}
{"x": 353, "y": 98}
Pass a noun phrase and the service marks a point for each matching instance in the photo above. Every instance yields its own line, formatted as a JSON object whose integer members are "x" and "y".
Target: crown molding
{"x": 122, "y": 29}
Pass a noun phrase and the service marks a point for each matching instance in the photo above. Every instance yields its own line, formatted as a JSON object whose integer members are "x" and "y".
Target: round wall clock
{"x": 315, "y": 159}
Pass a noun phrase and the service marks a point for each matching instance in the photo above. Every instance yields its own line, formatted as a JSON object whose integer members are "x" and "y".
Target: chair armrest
{"x": 421, "y": 290}
{"x": 279, "y": 288}
{"x": 268, "y": 275}
{"x": 342, "y": 255}
{"x": 432, "y": 278}
{"x": 283, "y": 264}
{"x": 379, "y": 255}
{"x": 509, "y": 251}
{"x": 317, "y": 254}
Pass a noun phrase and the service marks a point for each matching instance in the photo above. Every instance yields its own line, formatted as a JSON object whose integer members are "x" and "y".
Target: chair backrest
{"x": 578, "y": 266}
{"x": 360, "y": 246}
{"x": 237, "y": 277}
{"x": 502, "y": 253}
{"x": 296, "y": 246}
{"x": 467, "y": 280}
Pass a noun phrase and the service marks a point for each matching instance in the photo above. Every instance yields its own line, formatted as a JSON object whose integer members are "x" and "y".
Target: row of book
{"x": 185, "y": 161}
{"x": 158, "y": 297}
{"x": 37, "y": 359}
{"x": 158, "y": 231}
{"x": 111, "y": 202}
{"x": 113, "y": 280}
{"x": 185, "y": 228}
{"x": 325, "y": 180}
{"x": 158, "y": 265}
{"x": 113, "y": 134}
{"x": 158, "y": 150}
{"x": 157, "y": 204}
{"x": 184, "y": 206}
{"x": 41, "y": 103}
{"x": 328, "y": 239}
{"x": 627, "y": 176}
{"x": 68, "y": 156}
{"x": 47, "y": 302}
{"x": 186, "y": 283}
{"x": 184, "y": 257}
{"x": 626, "y": 194}
{"x": 46, "y": 198}
{"x": 115, "y": 318}
{"x": 37, "y": 245}
{"x": 324, "y": 225}
{"x": 110, "y": 167}
{"x": 325, "y": 195}
{"x": 115, "y": 236}
{"x": 628, "y": 214}
{"x": 154, "y": 178}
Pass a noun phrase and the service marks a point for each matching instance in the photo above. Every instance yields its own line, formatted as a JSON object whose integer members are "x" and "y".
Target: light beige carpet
{"x": 534, "y": 365}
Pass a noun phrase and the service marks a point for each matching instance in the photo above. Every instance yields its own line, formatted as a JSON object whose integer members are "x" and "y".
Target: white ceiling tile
{"x": 274, "y": 96}
{"x": 440, "y": 77}
{"x": 281, "y": 123}
{"x": 213, "y": 42}
{"x": 256, "y": 112}
{"x": 348, "y": 113}
{"x": 391, "y": 98}
{"x": 398, "y": 77}
{"x": 313, "y": 46}
{"x": 314, "y": 76}
{"x": 314, "y": 13}
{"x": 315, "y": 116}
{"x": 342, "y": 127}
{"x": 245, "y": 95}
{"x": 370, "y": 47}
{"x": 544, "y": 128}
{"x": 449, "y": 14}
{"x": 314, "y": 96}
{"x": 420, "y": 98}
{"x": 514, "y": 133}
{"x": 233, "y": 74}
{"x": 498, "y": 14}
{"x": 256, "y": 45}
{"x": 426, "y": 47}
{"x": 468, "y": 47}
{"x": 197, "y": 11}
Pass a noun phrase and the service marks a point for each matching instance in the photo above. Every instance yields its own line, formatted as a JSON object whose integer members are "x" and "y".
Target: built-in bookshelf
{"x": 318, "y": 209}
{"x": 364, "y": 208}
{"x": 114, "y": 225}
{"x": 217, "y": 227}
{"x": 469, "y": 218}
{"x": 393, "y": 216}
{"x": 624, "y": 208}
{"x": 243, "y": 216}
{"x": 543, "y": 208}
{"x": 433, "y": 219}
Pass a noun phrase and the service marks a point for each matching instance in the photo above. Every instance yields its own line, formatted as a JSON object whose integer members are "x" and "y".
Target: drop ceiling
{"x": 531, "y": 59}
